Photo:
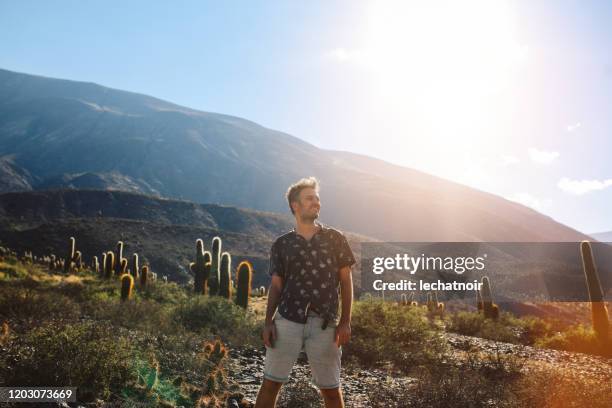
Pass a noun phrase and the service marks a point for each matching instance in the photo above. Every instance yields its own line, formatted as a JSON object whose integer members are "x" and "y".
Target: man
{"x": 307, "y": 266}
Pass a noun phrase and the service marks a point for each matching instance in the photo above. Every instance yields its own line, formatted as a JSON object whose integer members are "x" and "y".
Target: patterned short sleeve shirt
{"x": 310, "y": 272}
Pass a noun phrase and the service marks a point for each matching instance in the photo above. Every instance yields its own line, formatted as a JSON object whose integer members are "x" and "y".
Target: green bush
{"x": 506, "y": 328}
{"x": 32, "y": 306}
{"x": 161, "y": 292}
{"x": 466, "y": 323}
{"x": 90, "y": 356}
{"x": 576, "y": 338}
{"x": 385, "y": 332}
{"x": 218, "y": 316}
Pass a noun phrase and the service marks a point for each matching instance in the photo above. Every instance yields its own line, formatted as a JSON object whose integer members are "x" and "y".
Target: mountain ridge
{"x": 69, "y": 134}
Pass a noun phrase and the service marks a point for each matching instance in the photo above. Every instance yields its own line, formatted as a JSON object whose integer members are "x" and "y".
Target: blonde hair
{"x": 293, "y": 192}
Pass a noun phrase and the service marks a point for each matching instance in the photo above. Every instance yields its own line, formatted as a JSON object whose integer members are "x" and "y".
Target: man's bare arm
{"x": 274, "y": 292}
{"x": 346, "y": 291}
{"x": 343, "y": 331}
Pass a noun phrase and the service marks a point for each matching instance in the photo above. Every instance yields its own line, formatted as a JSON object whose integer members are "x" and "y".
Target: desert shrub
{"x": 161, "y": 292}
{"x": 480, "y": 380}
{"x": 384, "y": 332}
{"x": 555, "y": 389}
{"x": 506, "y": 328}
{"x": 90, "y": 356}
{"x": 215, "y": 315}
{"x": 145, "y": 315}
{"x": 29, "y": 305}
{"x": 534, "y": 328}
{"x": 578, "y": 338}
{"x": 467, "y": 323}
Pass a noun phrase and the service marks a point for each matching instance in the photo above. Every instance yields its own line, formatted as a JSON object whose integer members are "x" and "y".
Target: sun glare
{"x": 447, "y": 61}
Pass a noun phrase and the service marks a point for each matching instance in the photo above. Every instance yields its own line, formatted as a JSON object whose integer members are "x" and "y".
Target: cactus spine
{"x": 599, "y": 312}
{"x": 127, "y": 284}
{"x": 225, "y": 275}
{"x": 245, "y": 273}
{"x": 491, "y": 310}
{"x": 134, "y": 266}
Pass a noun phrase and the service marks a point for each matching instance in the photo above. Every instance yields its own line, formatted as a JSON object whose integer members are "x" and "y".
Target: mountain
{"x": 602, "y": 236}
{"x": 65, "y": 134}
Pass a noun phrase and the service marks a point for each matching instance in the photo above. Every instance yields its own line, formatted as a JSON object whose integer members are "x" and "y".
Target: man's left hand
{"x": 343, "y": 334}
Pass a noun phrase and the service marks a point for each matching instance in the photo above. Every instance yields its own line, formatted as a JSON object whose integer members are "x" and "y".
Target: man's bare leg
{"x": 266, "y": 398}
{"x": 333, "y": 398}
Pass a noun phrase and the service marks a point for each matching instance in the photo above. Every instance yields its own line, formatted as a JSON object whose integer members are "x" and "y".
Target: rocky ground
{"x": 247, "y": 368}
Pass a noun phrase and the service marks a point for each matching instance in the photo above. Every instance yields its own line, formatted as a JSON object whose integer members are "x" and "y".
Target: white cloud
{"x": 509, "y": 159}
{"x": 580, "y": 187}
{"x": 572, "y": 127}
{"x": 541, "y": 156}
{"x": 529, "y": 201}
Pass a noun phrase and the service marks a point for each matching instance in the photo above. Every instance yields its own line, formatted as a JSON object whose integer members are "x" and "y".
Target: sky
{"x": 509, "y": 97}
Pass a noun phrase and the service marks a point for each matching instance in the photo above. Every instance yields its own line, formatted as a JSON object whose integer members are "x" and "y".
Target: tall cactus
{"x": 215, "y": 264}
{"x": 71, "y": 257}
{"x": 95, "y": 265}
{"x": 225, "y": 275}
{"x": 144, "y": 276}
{"x": 118, "y": 258}
{"x": 599, "y": 312}
{"x": 124, "y": 265}
{"x": 245, "y": 274}
{"x": 134, "y": 266}
{"x": 127, "y": 284}
{"x": 109, "y": 265}
{"x": 200, "y": 268}
{"x": 103, "y": 271}
{"x": 491, "y": 310}
{"x": 78, "y": 260}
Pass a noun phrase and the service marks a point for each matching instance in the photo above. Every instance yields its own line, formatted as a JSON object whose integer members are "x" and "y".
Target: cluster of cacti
{"x": 433, "y": 306}
{"x": 599, "y": 311}
{"x": 212, "y": 273}
{"x": 73, "y": 259}
{"x": 485, "y": 300}
{"x": 27, "y": 257}
{"x": 201, "y": 268}
{"x": 215, "y": 384}
{"x": 406, "y": 300}
{"x": 243, "y": 290}
{"x": 258, "y": 292}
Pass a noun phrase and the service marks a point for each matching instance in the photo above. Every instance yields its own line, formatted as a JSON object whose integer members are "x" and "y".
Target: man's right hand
{"x": 269, "y": 334}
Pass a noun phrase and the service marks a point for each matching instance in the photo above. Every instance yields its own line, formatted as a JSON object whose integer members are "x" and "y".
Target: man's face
{"x": 308, "y": 205}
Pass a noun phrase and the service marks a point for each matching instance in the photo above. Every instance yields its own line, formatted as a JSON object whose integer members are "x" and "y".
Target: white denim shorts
{"x": 323, "y": 354}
